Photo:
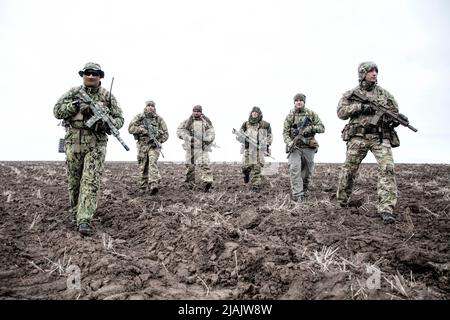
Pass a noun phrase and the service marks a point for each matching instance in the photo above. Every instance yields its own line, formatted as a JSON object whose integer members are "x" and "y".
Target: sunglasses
{"x": 91, "y": 73}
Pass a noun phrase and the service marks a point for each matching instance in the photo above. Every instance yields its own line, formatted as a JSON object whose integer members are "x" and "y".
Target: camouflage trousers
{"x": 253, "y": 161}
{"x": 84, "y": 171}
{"x": 301, "y": 167}
{"x": 357, "y": 149}
{"x": 197, "y": 164}
{"x": 148, "y": 168}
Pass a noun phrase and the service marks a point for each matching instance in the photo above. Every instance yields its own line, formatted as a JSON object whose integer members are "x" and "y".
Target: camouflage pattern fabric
{"x": 296, "y": 117}
{"x": 357, "y": 149}
{"x": 197, "y": 150}
{"x": 85, "y": 148}
{"x": 253, "y": 158}
{"x": 148, "y": 154}
{"x": 301, "y": 160}
{"x": 362, "y": 137}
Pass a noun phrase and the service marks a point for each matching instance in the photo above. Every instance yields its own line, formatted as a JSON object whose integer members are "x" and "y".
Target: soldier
{"x": 361, "y": 136}
{"x": 198, "y": 135}
{"x": 300, "y": 127}
{"x": 85, "y": 147}
{"x": 150, "y": 131}
{"x": 253, "y": 158}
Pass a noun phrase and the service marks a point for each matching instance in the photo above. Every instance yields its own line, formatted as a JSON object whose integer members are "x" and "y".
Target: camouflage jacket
{"x": 260, "y": 131}
{"x": 296, "y": 117}
{"x": 68, "y": 106}
{"x": 158, "y": 127}
{"x": 202, "y": 129}
{"x": 359, "y": 124}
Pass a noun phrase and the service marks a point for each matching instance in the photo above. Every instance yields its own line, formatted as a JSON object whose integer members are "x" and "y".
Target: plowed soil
{"x": 229, "y": 243}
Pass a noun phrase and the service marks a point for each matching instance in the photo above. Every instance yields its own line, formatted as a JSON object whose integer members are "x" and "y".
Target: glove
{"x": 142, "y": 130}
{"x": 83, "y": 107}
{"x": 102, "y": 126}
{"x": 294, "y": 132}
{"x": 307, "y": 131}
{"x": 75, "y": 105}
{"x": 367, "y": 109}
{"x": 241, "y": 139}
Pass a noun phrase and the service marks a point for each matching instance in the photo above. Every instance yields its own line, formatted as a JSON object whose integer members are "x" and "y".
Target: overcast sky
{"x": 227, "y": 56}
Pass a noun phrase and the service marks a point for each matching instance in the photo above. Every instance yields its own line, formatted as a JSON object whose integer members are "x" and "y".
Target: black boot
{"x": 85, "y": 229}
{"x": 246, "y": 175}
{"x": 154, "y": 189}
{"x": 207, "y": 186}
{"x": 387, "y": 217}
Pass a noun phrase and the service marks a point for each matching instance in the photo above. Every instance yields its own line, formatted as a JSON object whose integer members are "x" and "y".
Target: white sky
{"x": 227, "y": 56}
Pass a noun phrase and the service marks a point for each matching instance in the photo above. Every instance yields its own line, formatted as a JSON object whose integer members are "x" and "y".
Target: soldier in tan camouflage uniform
{"x": 150, "y": 131}
{"x": 85, "y": 148}
{"x": 254, "y": 156}
{"x": 305, "y": 123}
{"x": 361, "y": 136}
{"x": 198, "y": 135}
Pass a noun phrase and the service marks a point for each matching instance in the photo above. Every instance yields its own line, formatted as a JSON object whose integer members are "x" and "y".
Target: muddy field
{"x": 230, "y": 243}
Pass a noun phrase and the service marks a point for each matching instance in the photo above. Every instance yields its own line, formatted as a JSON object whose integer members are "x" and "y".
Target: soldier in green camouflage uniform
{"x": 254, "y": 156}
{"x": 198, "y": 135}
{"x": 85, "y": 148}
{"x": 301, "y": 159}
{"x": 146, "y": 127}
{"x": 361, "y": 136}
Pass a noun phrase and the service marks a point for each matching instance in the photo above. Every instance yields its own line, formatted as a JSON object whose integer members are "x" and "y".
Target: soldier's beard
{"x": 368, "y": 85}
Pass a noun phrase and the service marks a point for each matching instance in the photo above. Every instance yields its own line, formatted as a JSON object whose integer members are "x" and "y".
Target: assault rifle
{"x": 381, "y": 110}
{"x": 100, "y": 114}
{"x": 306, "y": 121}
{"x": 242, "y": 137}
{"x": 152, "y": 135}
{"x": 199, "y": 137}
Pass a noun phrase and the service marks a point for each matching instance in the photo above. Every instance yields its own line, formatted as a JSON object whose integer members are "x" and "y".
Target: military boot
{"x": 387, "y": 217}
{"x": 305, "y": 186}
{"x": 246, "y": 175}
{"x": 85, "y": 229}
{"x": 207, "y": 186}
{"x": 154, "y": 189}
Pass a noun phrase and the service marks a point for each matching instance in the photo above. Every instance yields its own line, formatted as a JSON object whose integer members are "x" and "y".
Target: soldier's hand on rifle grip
{"x": 367, "y": 109}
{"x": 76, "y": 105}
{"x": 142, "y": 130}
{"x": 307, "y": 130}
{"x": 101, "y": 126}
{"x": 83, "y": 107}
